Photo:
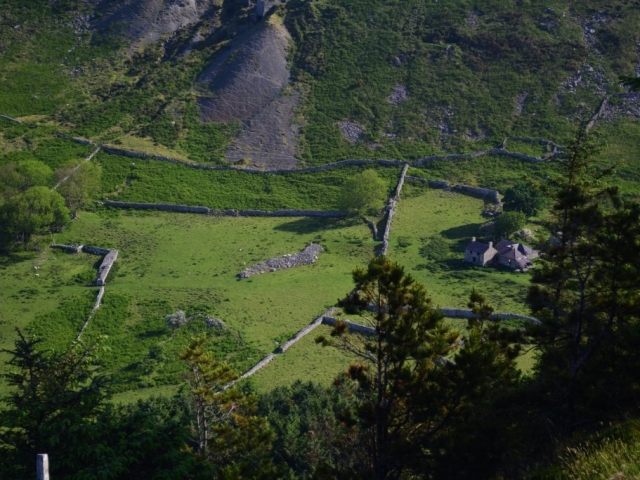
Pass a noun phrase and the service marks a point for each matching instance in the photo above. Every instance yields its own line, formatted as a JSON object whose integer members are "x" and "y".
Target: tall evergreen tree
{"x": 586, "y": 294}
{"x": 228, "y": 431}
{"x": 54, "y": 402}
{"x": 415, "y": 376}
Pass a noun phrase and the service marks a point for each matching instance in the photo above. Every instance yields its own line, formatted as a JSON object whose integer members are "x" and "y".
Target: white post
{"x": 42, "y": 465}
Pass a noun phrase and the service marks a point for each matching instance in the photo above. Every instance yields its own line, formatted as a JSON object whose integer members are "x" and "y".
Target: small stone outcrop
{"x": 214, "y": 322}
{"x": 307, "y": 256}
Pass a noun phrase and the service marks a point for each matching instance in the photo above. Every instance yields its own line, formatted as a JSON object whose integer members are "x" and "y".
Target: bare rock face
{"x": 146, "y": 21}
{"x": 270, "y": 139}
{"x": 351, "y": 131}
{"x": 246, "y": 82}
{"x": 247, "y": 77}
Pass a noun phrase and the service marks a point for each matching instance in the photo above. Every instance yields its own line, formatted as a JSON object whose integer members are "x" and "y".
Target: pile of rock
{"x": 399, "y": 94}
{"x": 351, "y": 131}
{"x": 306, "y": 257}
{"x": 214, "y": 322}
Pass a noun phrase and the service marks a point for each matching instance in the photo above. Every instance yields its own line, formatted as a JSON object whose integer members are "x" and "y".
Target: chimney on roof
{"x": 473, "y": 239}
{"x": 490, "y": 244}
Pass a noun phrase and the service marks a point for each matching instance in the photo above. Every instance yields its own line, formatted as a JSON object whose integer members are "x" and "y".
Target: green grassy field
{"x": 171, "y": 262}
{"x": 453, "y": 218}
{"x": 305, "y": 361}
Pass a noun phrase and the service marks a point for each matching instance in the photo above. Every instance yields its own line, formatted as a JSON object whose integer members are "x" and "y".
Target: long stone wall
{"x": 67, "y": 248}
{"x": 598, "y": 113}
{"x": 391, "y": 211}
{"x": 463, "y": 313}
{"x": 165, "y": 207}
{"x": 342, "y": 163}
{"x": 79, "y": 140}
{"x": 229, "y": 213}
{"x": 351, "y": 326}
{"x": 261, "y": 364}
{"x": 93, "y": 154}
{"x": 94, "y": 250}
{"x": 372, "y": 227}
{"x": 110, "y": 257}
{"x": 11, "y": 119}
{"x": 96, "y": 306}
{"x": 305, "y": 331}
{"x": 105, "y": 267}
{"x": 493, "y": 195}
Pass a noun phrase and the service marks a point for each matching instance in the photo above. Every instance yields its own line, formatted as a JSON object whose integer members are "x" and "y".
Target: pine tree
{"x": 228, "y": 432}
{"x": 586, "y": 295}
{"x": 415, "y": 375}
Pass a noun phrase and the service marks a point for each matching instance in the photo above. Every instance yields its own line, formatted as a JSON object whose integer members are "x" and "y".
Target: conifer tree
{"x": 586, "y": 295}
{"x": 415, "y": 375}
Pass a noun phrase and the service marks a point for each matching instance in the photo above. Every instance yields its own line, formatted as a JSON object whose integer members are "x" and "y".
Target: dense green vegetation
{"x": 464, "y": 65}
{"x": 150, "y": 181}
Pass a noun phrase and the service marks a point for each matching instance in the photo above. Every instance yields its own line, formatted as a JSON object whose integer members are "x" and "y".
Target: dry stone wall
{"x": 481, "y": 153}
{"x": 110, "y": 257}
{"x": 67, "y": 248}
{"x": 225, "y": 213}
{"x": 307, "y": 256}
{"x": 261, "y": 364}
{"x": 164, "y": 207}
{"x": 351, "y": 326}
{"x": 462, "y": 313}
{"x": 493, "y": 195}
{"x": 11, "y": 119}
{"x": 305, "y": 331}
{"x": 105, "y": 267}
{"x": 598, "y": 114}
{"x": 93, "y": 154}
{"x": 391, "y": 210}
{"x": 343, "y": 163}
{"x": 96, "y": 306}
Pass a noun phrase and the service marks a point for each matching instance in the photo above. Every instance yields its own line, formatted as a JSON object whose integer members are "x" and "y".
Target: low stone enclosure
{"x": 109, "y": 259}
{"x": 306, "y": 256}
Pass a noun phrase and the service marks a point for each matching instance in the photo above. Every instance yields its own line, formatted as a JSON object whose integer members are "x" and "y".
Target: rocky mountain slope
{"x": 319, "y": 81}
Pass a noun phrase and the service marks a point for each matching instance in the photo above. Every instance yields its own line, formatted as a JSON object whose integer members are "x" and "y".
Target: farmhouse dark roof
{"x": 505, "y": 245}
{"x": 477, "y": 247}
{"x": 526, "y": 250}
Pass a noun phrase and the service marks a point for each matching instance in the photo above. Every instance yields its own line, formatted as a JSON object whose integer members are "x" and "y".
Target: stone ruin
{"x": 307, "y": 256}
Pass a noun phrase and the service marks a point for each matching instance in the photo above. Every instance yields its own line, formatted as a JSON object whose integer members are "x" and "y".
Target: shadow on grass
{"x": 152, "y": 333}
{"x": 9, "y": 259}
{"x": 306, "y": 225}
{"x": 463, "y": 231}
